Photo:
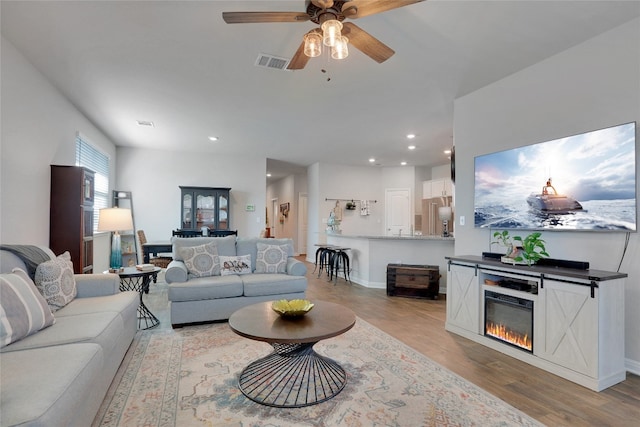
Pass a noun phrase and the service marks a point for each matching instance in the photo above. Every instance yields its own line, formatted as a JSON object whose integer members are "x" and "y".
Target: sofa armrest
{"x": 295, "y": 267}
{"x": 97, "y": 285}
{"x": 176, "y": 272}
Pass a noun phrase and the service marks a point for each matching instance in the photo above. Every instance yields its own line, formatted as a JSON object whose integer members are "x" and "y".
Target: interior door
{"x": 398, "y": 211}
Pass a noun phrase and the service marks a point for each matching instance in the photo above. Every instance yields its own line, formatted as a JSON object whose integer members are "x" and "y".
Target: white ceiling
{"x": 177, "y": 64}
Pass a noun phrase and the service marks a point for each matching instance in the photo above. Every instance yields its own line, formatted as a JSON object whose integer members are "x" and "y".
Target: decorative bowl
{"x": 292, "y": 308}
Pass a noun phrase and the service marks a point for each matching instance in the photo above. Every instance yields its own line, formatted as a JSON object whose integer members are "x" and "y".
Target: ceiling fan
{"x": 332, "y": 33}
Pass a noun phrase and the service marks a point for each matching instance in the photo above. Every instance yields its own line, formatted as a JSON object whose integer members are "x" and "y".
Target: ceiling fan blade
{"x": 257, "y": 17}
{"x": 366, "y": 43}
{"x": 299, "y": 60}
{"x": 358, "y": 8}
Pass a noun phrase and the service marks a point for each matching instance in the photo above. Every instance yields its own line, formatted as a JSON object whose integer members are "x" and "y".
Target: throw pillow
{"x": 23, "y": 311}
{"x": 271, "y": 259}
{"x": 235, "y": 265}
{"x": 201, "y": 261}
{"x": 56, "y": 282}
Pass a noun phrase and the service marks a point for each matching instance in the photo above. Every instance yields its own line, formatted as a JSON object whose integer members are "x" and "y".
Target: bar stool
{"x": 322, "y": 255}
{"x": 340, "y": 257}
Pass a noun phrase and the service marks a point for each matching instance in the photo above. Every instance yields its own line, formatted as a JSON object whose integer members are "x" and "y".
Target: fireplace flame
{"x": 505, "y": 334}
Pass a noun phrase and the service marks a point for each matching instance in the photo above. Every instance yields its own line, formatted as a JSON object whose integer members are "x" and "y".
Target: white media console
{"x": 578, "y": 316}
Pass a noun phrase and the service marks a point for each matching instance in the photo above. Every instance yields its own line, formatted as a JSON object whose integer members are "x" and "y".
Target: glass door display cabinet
{"x": 205, "y": 207}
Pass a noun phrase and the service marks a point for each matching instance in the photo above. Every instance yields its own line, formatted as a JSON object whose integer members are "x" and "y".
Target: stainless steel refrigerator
{"x": 431, "y": 223}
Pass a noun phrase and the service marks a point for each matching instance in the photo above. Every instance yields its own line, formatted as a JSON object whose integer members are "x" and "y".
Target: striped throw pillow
{"x": 23, "y": 311}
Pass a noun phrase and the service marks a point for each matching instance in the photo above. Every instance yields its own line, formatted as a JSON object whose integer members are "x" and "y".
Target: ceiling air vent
{"x": 270, "y": 61}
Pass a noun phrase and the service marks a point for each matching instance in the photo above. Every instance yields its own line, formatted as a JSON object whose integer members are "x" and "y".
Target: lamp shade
{"x": 313, "y": 44}
{"x": 340, "y": 50}
{"x": 444, "y": 213}
{"x": 331, "y": 32}
{"x": 115, "y": 219}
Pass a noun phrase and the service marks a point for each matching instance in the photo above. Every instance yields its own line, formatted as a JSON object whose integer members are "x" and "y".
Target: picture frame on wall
{"x": 284, "y": 209}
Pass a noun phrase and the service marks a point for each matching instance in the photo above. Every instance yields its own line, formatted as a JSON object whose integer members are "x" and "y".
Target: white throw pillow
{"x": 201, "y": 261}
{"x": 271, "y": 259}
{"x": 56, "y": 282}
{"x": 235, "y": 265}
{"x": 23, "y": 311}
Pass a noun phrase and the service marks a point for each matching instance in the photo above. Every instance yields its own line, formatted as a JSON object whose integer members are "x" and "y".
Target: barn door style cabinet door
{"x": 205, "y": 207}
{"x": 71, "y": 215}
{"x": 463, "y": 294}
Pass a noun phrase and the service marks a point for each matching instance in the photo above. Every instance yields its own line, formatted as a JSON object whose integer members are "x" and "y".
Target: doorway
{"x": 398, "y": 211}
{"x": 302, "y": 223}
{"x": 274, "y": 216}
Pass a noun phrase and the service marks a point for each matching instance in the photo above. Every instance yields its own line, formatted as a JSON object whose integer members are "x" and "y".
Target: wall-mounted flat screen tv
{"x": 584, "y": 182}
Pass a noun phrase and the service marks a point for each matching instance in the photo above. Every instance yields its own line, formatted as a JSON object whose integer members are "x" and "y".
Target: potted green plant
{"x": 533, "y": 248}
{"x": 527, "y": 250}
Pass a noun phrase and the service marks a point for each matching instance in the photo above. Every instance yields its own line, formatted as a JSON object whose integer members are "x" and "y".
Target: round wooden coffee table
{"x": 294, "y": 375}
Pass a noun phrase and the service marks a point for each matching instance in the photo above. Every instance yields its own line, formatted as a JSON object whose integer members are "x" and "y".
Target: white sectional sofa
{"x": 59, "y": 376}
{"x": 201, "y": 299}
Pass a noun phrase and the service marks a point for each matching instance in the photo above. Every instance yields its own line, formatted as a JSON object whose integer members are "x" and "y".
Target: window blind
{"x": 91, "y": 158}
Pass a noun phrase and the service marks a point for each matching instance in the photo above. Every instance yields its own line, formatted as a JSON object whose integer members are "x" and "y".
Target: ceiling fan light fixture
{"x": 341, "y": 49}
{"x": 312, "y": 44}
{"x": 331, "y": 32}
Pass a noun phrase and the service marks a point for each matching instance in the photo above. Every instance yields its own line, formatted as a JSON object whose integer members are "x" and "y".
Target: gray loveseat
{"x": 60, "y": 375}
{"x": 201, "y": 299}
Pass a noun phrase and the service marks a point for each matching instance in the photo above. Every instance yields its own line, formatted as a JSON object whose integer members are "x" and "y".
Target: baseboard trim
{"x": 632, "y": 366}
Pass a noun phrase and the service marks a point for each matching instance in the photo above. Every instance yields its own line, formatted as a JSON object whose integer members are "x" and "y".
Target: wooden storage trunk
{"x": 410, "y": 280}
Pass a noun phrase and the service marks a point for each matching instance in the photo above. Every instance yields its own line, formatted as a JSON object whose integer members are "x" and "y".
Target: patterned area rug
{"x": 188, "y": 377}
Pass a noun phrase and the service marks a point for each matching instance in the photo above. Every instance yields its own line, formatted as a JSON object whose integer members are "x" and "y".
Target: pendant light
{"x": 340, "y": 50}
{"x": 331, "y": 32}
{"x": 313, "y": 44}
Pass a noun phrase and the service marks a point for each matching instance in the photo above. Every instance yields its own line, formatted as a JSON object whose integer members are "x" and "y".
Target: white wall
{"x": 330, "y": 181}
{"x": 593, "y": 85}
{"x": 39, "y": 128}
{"x": 357, "y": 183}
{"x": 154, "y": 177}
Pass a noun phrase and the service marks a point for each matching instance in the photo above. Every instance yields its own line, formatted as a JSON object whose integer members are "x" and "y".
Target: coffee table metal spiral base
{"x": 293, "y": 375}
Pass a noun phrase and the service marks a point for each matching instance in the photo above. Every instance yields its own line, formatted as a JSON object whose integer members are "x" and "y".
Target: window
{"x": 91, "y": 158}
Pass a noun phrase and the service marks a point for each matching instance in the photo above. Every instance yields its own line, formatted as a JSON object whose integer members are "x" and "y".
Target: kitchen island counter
{"x": 370, "y": 255}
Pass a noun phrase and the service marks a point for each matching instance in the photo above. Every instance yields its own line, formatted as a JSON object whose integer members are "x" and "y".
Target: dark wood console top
{"x": 589, "y": 275}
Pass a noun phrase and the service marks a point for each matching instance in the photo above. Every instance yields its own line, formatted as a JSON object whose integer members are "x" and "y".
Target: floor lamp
{"x": 115, "y": 220}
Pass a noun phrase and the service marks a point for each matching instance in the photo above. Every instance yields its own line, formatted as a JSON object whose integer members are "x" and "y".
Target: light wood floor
{"x": 419, "y": 323}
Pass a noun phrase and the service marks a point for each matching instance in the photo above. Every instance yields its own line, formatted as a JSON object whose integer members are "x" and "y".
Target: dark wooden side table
{"x": 294, "y": 375}
{"x": 132, "y": 279}
{"x": 154, "y": 249}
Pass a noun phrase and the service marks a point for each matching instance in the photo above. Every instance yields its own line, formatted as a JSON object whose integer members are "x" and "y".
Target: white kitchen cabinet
{"x": 437, "y": 188}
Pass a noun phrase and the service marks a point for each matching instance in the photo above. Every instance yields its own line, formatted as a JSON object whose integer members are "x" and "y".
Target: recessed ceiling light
{"x": 411, "y": 136}
{"x": 447, "y": 151}
{"x": 411, "y": 147}
{"x": 213, "y": 138}
{"x": 371, "y": 160}
{"x": 403, "y": 163}
{"x": 268, "y": 175}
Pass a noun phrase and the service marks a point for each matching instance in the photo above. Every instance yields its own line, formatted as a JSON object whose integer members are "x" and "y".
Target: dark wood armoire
{"x": 71, "y": 215}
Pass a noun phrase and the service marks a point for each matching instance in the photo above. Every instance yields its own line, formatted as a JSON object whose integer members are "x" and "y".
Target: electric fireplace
{"x": 509, "y": 319}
